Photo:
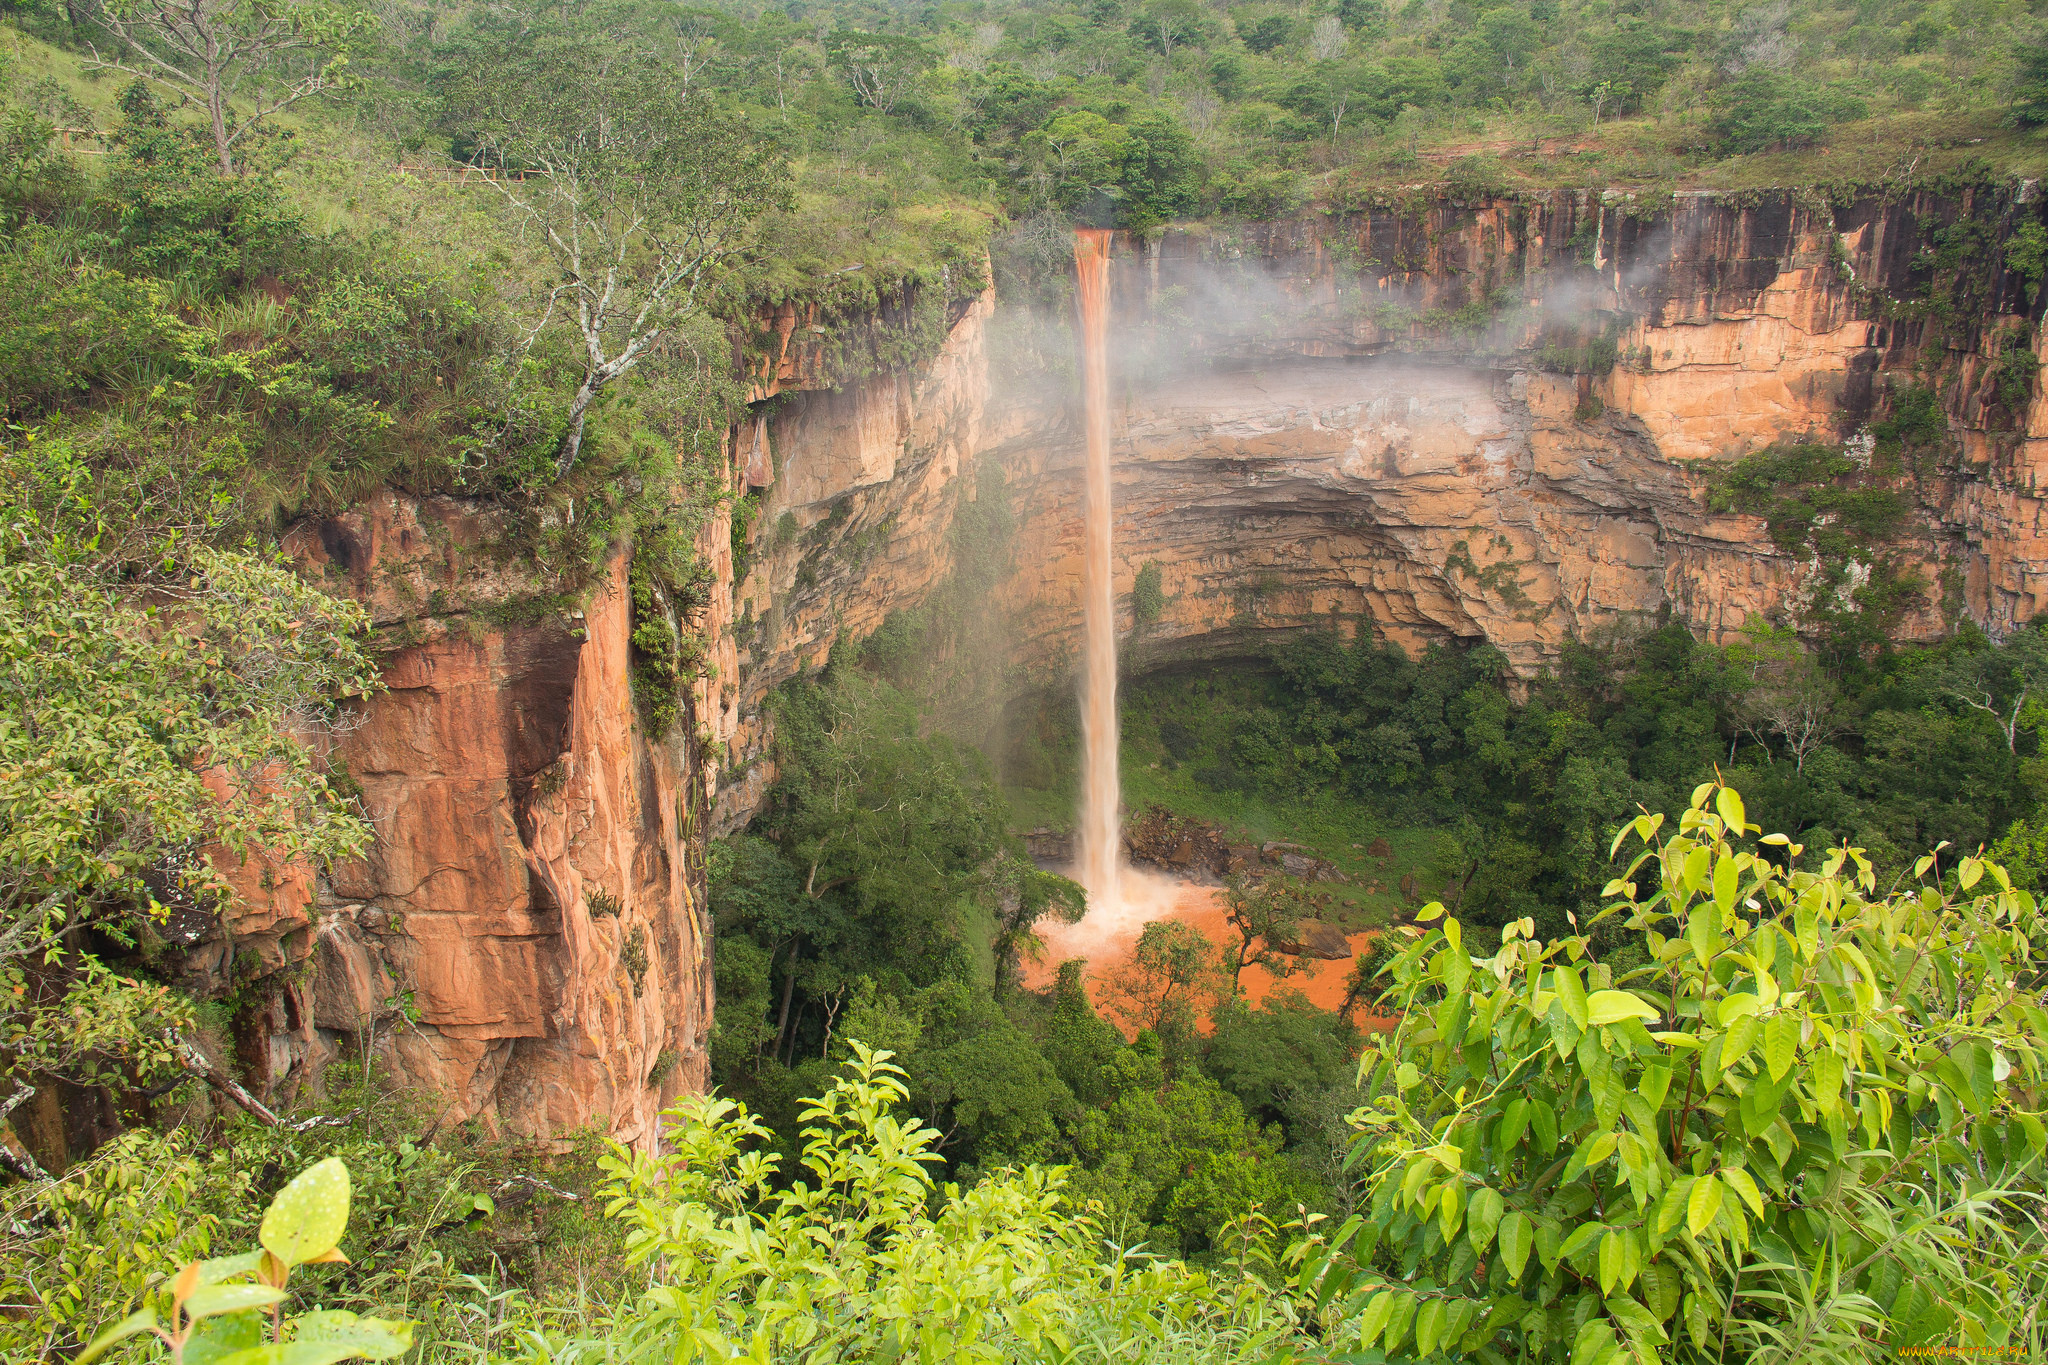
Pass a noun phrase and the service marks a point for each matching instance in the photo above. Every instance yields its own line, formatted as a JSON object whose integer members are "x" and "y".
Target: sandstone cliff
{"x": 526, "y": 940}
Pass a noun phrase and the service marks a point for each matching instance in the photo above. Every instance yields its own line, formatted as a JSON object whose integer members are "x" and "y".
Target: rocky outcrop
{"x": 854, "y": 488}
{"x": 525, "y": 941}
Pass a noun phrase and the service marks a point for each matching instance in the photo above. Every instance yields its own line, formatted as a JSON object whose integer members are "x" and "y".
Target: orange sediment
{"x": 1105, "y": 939}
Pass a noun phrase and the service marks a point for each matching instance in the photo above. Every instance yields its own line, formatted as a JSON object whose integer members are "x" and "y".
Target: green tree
{"x": 270, "y": 55}
{"x": 153, "y": 748}
{"x": 1267, "y": 913}
{"x": 639, "y": 190}
{"x": 2030, "y": 83}
{"x": 1168, "y": 983}
{"x": 1180, "y": 1163}
{"x": 882, "y": 68}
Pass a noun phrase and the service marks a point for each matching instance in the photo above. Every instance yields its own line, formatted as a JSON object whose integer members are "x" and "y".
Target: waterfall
{"x": 1101, "y": 835}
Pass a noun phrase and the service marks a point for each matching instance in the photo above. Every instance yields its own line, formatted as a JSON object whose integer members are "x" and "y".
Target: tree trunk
{"x": 788, "y": 989}
{"x": 216, "y": 107}
{"x": 572, "y": 440}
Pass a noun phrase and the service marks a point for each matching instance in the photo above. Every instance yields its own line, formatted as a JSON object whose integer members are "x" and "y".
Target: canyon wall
{"x": 526, "y": 942}
{"x": 1492, "y": 421}
{"x": 1373, "y": 419}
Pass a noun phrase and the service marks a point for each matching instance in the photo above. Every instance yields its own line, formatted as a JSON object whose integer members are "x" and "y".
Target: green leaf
{"x": 1374, "y": 1319}
{"x": 1704, "y": 936}
{"x": 307, "y": 1217}
{"x": 1598, "y": 1150}
{"x": 1451, "y": 1210}
{"x": 1515, "y": 1241}
{"x": 210, "y": 1299}
{"x": 1781, "y": 1043}
{"x": 1727, "y": 882}
{"x": 1549, "y": 1243}
{"x": 227, "y": 1267}
{"x": 1729, "y": 804}
{"x": 1482, "y": 1218}
{"x": 1744, "y": 1184}
{"x": 1397, "y": 1325}
{"x": 1611, "y": 1007}
{"x": 134, "y": 1323}
{"x": 1611, "y": 1254}
{"x": 1633, "y": 1315}
{"x": 1571, "y": 993}
{"x": 1760, "y": 1107}
{"x": 1514, "y": 1122}
{"x": 1594, "y": 1344}
{"x": 1581, "y": 1238}
{"x": 1655, "y": 1085}
{"x": 1702, "y": 1204}
{"x": 1429, "y": 1322}
{"x": 1672, "y": 1206}
{"x": 1736, "y": 1042}
{"x": 372, "y": 1338}
{"x": 1661, "y": 1285}
{"x": 1544, "y": 1120}
{"x": 218, "y": 1338}
{"x": 294, "y": 1353}
{"x": 1735, "y": 1006}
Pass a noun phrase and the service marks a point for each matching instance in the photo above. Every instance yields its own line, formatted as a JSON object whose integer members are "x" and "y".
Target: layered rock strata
{"x": 1365, "y": 422}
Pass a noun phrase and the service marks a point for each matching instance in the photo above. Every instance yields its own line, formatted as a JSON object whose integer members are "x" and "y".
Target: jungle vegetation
{"x": 1774, "y": 1095}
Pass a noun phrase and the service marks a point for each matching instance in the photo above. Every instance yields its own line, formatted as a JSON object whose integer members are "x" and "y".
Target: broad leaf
{"x": 1610, "y": 1007}
{"x": 1743, "y": 1184}
{"x": 1702, "y": 1204}
{"x": 307, "y": 1217}
{"x": 208, "y": 1300}
{"x": 1516, "y": 1238}
{"x": 1781, "y": 1043}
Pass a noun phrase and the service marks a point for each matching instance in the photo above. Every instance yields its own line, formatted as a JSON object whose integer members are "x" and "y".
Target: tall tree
{"x": 639, "y": 189}
{"x": 272, "y": 55}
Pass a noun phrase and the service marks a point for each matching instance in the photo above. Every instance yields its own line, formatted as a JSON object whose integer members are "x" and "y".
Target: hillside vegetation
{"x": 1767, "y": 1098}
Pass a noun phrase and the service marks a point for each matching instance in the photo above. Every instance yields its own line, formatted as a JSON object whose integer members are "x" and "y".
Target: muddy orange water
{"x": 1105, "y": 938}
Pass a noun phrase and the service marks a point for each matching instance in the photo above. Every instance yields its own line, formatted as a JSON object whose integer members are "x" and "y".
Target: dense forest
{"x": 1711, "y": 1025}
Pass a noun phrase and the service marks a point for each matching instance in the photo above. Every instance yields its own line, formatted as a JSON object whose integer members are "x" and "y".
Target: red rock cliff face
{"x": 526, "y": 941}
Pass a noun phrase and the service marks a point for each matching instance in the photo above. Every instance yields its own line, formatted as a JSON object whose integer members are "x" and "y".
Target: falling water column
{"x": 1101, "y": 791}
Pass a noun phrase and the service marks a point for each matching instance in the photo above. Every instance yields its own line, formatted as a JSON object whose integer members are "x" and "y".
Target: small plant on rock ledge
{"x": 633, "y": 957}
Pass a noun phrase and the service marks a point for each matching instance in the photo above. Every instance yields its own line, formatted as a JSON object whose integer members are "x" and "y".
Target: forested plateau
{"x": 540, "y": 598}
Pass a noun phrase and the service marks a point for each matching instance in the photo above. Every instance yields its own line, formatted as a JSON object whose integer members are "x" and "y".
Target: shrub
{"x": 214, "y": 1310}
{"x": 66, "y": 327}
{"x": 861, "y": 1259}
{"x": 1765, "y": 109}
{"x": 1807, "y": 1128}
{"x": 1148, "y": 599}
